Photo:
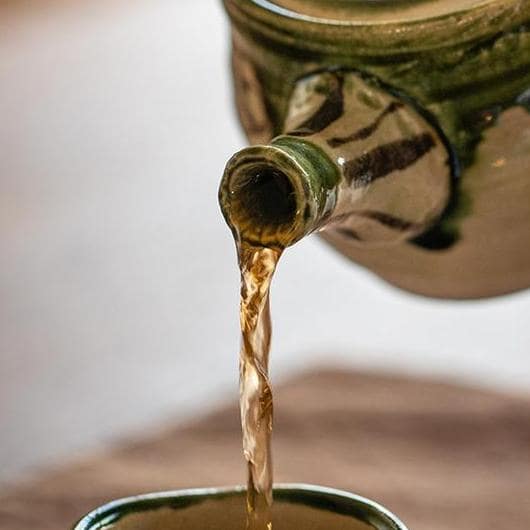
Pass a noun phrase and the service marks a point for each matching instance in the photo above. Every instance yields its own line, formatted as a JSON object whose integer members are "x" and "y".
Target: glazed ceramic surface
{"x": 458, "y": 71}
{"x": 221, "y": 508}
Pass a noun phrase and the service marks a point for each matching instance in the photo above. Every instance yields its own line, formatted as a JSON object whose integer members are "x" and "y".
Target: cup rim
{"x": 342, "y": 501}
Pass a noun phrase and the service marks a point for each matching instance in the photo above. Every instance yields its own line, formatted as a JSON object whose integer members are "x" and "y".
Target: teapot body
{"x": 465, "y": 67}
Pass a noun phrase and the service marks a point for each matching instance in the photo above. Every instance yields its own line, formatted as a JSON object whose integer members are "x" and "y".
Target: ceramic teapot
{"x": 399, "y": 130}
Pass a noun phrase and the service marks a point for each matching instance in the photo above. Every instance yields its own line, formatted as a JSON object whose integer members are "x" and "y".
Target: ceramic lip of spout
{"x": 275, "y": 194}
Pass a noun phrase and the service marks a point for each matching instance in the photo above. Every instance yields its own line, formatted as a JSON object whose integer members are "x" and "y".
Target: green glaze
{"x": 323, "y": 174}
{"x": 464, "y": 65}
{"x": 456, "y": 71}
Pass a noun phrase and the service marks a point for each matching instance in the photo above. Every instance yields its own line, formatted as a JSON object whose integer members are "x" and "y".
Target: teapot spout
{"x": 275, "y": 194}
{"x": 353, "y": 159}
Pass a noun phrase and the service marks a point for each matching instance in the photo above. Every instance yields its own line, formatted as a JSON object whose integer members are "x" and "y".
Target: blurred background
{"x": 118, "y": 279}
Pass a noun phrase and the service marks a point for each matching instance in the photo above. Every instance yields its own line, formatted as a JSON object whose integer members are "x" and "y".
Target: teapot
{"x": 399, "y": 130}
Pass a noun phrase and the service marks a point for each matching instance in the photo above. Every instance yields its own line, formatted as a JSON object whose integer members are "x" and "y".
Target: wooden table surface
{"x": 442, "y": 457}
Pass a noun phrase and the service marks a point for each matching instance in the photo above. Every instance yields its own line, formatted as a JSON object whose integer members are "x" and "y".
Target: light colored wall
{"x": 118, "y": 282}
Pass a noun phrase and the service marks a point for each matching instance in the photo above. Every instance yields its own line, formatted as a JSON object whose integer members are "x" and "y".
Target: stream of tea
{"x": 257, "y": 265}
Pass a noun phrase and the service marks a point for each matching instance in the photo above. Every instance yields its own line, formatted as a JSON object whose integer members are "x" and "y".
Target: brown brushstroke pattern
{"x": 391, "y": 221}
{"x": 331, "y": 110}
{"x": 368, "y": 130}
{"x": 386, "y": 219}
{"x": 385, "y": 159}
{"x": 348, "y": 232}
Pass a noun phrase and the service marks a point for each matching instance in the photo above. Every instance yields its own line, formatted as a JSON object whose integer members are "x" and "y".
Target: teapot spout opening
{"x": 265, "y": 197}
